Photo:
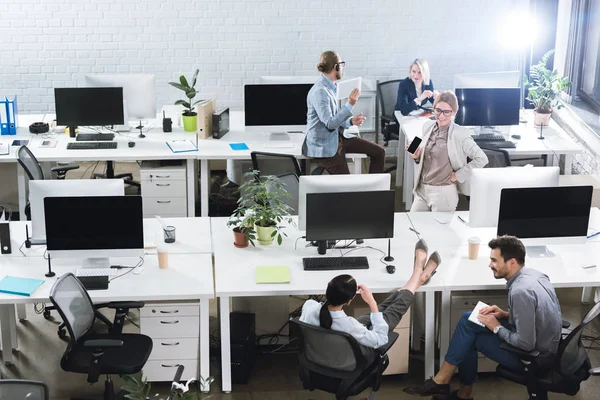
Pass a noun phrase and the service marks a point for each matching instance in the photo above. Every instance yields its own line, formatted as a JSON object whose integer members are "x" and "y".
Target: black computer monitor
{"x": 350, "y": 215}
{"x": 488, "y": 106}
{"x": 89, "y": 106}
{"x": 94, "y": 227}
{"x": 545, "y": 212}
{"x": 281, "y": 106}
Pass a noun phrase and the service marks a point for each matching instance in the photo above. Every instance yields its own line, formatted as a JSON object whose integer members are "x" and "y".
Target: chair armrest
{"x": 103, "y": 343}
{"x": 64, "y": 168}
{"x": 120, "y": 304}
{"x": 392, "y": 337}
{"x": 389, "y": 119}
{"x": 523, "y": 355}
{"x": 595, "y": 371}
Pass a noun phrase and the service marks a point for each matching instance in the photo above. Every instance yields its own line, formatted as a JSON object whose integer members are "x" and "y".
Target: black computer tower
{"x": 243, "y": 345}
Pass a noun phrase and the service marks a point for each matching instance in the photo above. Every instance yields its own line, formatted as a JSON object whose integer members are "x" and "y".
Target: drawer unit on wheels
{"x": 175, "y": 332}
{"x": 164, "y": 189}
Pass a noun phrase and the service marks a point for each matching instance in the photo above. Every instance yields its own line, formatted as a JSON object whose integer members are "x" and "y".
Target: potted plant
{"x": 190, "y": 117}
{"x": 242, "y": 222}
{"x": 140, "y": 389}
{"x": 543, "y": 90}
{"x": 265, "y": 196}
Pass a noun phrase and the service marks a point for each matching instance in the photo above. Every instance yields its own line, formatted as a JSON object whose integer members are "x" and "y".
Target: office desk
{"x": 235, "y": 275}
{"x": 556, "y": 144}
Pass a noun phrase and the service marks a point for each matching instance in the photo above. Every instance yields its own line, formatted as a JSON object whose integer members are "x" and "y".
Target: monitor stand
{"x": 539, "y": 252}
{"x": 278, "y": 136}
{"x": 96, "y": 263}
{"x": 487, "y": 130}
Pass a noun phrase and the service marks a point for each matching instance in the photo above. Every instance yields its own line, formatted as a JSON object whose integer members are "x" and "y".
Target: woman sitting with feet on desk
{"x": 370, "y": 330}
{"x": 442, "y": 167}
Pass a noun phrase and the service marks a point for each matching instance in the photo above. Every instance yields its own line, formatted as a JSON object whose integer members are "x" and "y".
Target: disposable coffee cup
{"x": 163, "y": 258}
{"x": 474, "y": 247}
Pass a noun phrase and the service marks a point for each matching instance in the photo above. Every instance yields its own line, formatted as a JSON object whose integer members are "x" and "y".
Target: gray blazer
{"x": 323, "y": 121}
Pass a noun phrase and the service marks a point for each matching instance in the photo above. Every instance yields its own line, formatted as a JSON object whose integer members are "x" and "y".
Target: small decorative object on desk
{"x": 544, "y": 89}
{"x": 242, "y": 222}
{"x": 190, "y": 117}
{"x": 142, "y": 390}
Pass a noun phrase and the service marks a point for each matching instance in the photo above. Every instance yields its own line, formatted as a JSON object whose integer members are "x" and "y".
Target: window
{"x": 589, "y": 78}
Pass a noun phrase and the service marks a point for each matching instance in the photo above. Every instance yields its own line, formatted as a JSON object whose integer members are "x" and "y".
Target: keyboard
{"x": 488, "y": 138}
{"x": 91, "y": 145}
{"x": 334, "y": 263}
{"x": 93, "y": 137}
{"x": 96, "y": 272}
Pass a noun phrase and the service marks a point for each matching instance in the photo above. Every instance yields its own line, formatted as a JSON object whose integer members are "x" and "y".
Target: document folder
{"x": 19, "y": 286}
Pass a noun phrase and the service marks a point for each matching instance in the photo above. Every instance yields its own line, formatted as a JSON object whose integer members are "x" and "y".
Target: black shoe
{"x": 428, "y": 388}
{"x": 454, "y": 396}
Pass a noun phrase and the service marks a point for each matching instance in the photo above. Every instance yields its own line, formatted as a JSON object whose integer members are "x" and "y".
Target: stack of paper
{"x": 272, "y": 274}
{"x": 181, "y": 146}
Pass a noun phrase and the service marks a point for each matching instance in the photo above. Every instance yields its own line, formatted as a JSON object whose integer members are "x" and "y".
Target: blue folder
{"x": 12, "y": 115}
{"x": 238, "y": 146}
{"x": 3, "y": 117}
{"x": 19, "y": 286}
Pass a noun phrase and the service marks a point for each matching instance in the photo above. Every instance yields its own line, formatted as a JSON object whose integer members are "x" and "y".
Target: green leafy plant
{"x": 265, "y": 196}
{"x": 545, "y": 86}
{"x": 190, "y": 93}
{"x": 139, "y": 389}
{"x": 242, "y": 220}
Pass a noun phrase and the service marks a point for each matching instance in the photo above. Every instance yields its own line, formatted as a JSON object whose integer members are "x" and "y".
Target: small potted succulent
{"x": 140, "y": 389}
{"x": 242, "y": 222}
{"x": 544, "y": 89}
{"x": 190, "y": 117}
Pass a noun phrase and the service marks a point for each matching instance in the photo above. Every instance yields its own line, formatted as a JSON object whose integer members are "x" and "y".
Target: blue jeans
{"x": 468, "y": 339}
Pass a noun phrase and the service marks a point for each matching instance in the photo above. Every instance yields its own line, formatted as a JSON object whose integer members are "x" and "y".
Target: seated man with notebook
{"x": 533, "y": 322}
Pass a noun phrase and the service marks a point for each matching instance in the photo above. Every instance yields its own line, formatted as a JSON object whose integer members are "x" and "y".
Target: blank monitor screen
{"x": 139, "y": 91}
{"x": 94, "y": 223}
{"x": 548, "y": 212}
{"x": 89, "y": 106}
{"x": 488, "y": 107}
{"x": 350, "y": 215}
{"x": 272, "y": 105}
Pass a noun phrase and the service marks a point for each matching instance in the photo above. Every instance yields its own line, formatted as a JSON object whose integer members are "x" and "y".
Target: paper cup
{"x": 474, "y": 247}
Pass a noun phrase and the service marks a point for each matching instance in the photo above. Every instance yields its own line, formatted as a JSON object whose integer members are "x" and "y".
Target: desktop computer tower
{"x": 243, "y": 346}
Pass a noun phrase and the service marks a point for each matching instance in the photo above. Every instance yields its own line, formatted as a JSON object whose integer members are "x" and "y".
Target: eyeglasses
{"x": 342, "y": 63}
{"x": 438, "y": 111}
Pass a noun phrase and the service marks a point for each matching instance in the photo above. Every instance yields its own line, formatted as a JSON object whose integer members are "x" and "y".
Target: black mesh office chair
{"x": 334, "y": 362}
{"x": 17, "y": 389}
{"x": 93, "y": 353}
{"x": 292, "y": 184}
{"x": 571, "y": 367}
{"x": 387, "y": 92}
{"x": 110, "y": 174}
{"x": 275, "y": 163}
{"x": 497, "y": 158}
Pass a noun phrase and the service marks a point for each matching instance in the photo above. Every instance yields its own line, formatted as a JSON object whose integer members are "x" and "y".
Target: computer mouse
{"x": 131, "y": 144}
{"x": 138, "y": 270}
{"x": 516, "y": 136}
{"x": 390, "y": 269}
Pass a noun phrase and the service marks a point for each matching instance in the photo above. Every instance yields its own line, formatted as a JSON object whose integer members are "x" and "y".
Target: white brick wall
{"x": 54, "y": 43}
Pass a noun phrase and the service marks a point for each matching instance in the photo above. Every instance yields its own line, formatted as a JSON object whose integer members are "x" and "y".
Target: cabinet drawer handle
{"x": 169, "y": 322}
{"x": 163, "y": 201}
{"x": 169, "y": 312}
{"x": 163, "y": 176}
{"x": 170, "y": 344}
{"x": 163, "y": 184}
{"x": 170, "y": 365}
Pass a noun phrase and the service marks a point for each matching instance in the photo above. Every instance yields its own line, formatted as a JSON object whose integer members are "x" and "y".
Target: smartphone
{"x": 414, "y": 145}
{"x": 17, "y": 142}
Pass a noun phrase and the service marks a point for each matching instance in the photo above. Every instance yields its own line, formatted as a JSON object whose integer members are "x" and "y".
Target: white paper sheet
{"x": 344, "y": 88}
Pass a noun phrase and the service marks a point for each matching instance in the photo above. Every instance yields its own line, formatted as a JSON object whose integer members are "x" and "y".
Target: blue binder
{"x": 19, "y": 286}
{"x": 12, "y": 115}
{"x": 3, "y": 117}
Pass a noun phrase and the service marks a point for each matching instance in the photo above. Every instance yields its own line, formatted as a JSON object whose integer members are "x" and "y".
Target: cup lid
{"x": 474, "y": 240}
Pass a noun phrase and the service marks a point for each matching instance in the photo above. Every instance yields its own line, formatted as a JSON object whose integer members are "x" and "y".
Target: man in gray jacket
{"x": 533, "y": 322}
{"x": 326, "y": 122}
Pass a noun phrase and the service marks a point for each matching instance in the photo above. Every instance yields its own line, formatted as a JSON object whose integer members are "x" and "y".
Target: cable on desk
{"x": 139, "y": 264}
{"x": 296, "y": 243}
{"x": 20, "y": 248}
{"x": 5, "y": 208}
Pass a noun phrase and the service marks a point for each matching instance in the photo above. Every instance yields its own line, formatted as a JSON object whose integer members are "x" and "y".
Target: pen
{"x": 594, "y": 234}
{"x": 414, "y": 230}
{"x": 461, "y": 219}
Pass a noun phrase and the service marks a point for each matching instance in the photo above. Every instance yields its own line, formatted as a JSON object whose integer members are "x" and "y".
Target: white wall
{"x": 54, "y": 43}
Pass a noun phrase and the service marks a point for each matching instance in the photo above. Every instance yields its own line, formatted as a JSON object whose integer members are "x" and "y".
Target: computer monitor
{"x": 487, "y": 80}
{"x": 94, "y": 228}
{"x": 487, "y": 183}
{"x": 545, "y": 215}
{"x": 350, "y": 215}
{"x": 276, "y": 108}
{"x": 335, "y": 184}
{"x": 488, "y": 106}
{"x": 40, "y": 189}
{"x": 88, "y": 107}
{"x": 139, "y": 93}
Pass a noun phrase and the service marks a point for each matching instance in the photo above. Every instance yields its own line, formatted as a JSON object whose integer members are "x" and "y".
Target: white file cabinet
{"x": 164, "y": 190}
{"x": 175, "y": 332}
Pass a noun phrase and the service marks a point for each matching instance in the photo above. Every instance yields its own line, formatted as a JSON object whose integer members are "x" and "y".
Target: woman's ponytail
{"x": 325, "y": 316}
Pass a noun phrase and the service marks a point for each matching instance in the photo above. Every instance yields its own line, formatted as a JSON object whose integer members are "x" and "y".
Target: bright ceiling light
{"x": 517, "y": 32}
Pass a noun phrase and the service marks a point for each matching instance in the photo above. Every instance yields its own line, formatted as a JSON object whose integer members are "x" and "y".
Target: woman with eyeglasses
{"x": 442, "y": 166}
{"x": 417, "y": 89}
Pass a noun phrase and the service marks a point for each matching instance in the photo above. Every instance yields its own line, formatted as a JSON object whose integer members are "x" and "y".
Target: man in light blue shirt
{"x": 326, "y": 121}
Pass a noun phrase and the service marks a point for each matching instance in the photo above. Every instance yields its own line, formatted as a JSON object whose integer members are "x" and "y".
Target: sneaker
{"x": 428, "y": 388}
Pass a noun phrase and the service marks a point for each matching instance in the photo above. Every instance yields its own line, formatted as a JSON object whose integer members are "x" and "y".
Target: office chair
{"x": 17, "y": 389}
{"x": 497, "y": 158}
{"x": 570, "y": 368}
{"x": 292, "y": 184}
{"x": 32, "y": 168}
{"x": 275, "y": 163}
{"x": 387, "y": 93}
{"x": 93, "y": 353}
{"x": 110, "y": 174}
{"x": 334, "y": 362}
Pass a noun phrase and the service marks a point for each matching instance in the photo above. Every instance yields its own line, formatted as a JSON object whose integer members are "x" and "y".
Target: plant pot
{"x": 240, "y": 239}
{"x": 263, "y": 234}
{"x": 541, "y": 119}
{"x": 190, "y": 122}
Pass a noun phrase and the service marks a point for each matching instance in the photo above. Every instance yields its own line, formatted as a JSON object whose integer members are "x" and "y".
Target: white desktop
{"x": 40, "y": 189}
{"x": 487, "y": 184}
{"x": 337, "y": 184}
{"x": 502, "y": 79}
{"x": 139, "y": 94}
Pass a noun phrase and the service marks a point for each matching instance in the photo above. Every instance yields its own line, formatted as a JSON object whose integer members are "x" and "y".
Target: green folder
{"x": 272, "y": 274}
{"x": 19, "y": 286}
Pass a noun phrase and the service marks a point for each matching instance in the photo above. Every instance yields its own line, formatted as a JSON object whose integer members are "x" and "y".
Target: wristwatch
{"x": 497, "y": 329}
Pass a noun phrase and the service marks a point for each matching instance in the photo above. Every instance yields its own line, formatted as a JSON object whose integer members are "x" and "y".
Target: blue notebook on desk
{"x": 238, "y": 146}
{"x": 19, "y": 286}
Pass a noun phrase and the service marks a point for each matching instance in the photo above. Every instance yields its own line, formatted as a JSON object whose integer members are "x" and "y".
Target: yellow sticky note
{"x": 272, "y": 274}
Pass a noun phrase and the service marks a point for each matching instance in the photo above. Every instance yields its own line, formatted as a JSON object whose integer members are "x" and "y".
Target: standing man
{"x": 326, "y": 122}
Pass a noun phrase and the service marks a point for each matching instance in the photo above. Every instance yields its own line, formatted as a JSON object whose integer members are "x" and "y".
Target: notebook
{"x": 272, "y": 274}
{"x": 181, "y": 146}
{"x": 19, "y": 286}
{"x": 238, "y": 146}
